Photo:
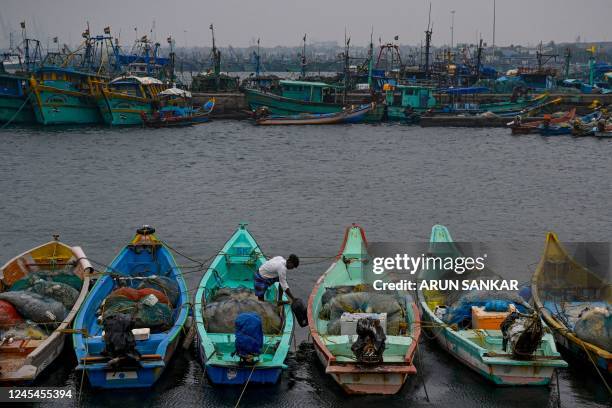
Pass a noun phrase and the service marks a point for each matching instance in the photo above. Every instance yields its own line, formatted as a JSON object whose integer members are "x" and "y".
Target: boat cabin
{"x": 11, "y": 85}
{"x": 69, "y": 79}
{"x": 311, "y": 91}
{"x": 141, "y": 87}
{"x": 409, "y": 96}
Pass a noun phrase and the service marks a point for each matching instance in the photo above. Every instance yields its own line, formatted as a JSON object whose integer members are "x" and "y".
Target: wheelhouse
{"x": 311, "y": 91}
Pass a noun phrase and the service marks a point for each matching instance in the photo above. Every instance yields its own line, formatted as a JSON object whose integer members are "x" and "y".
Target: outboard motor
{"x": 119, "y": 341}
{"x": 370, "y": 344}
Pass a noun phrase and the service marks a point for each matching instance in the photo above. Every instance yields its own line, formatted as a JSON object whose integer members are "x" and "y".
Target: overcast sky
{"x": 283, "y": 22}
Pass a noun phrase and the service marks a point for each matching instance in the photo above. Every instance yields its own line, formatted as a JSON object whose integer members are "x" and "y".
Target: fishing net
{"x": 24, "y": 331}
{"x": 227, "y": 303}
{"x": 167, "y": 286}
{"x": 157, "y": 317}
{"x": 63, "y": 293}
{"x": 32, "y": 306}
{"x": 9, "y": 316}
{"x": 137, "y": 294}
{"x": 65, "y": 278}
{"x": 595, "y": 326}
{"x": 460, "y": 304}
{"x": 363, "y": 302}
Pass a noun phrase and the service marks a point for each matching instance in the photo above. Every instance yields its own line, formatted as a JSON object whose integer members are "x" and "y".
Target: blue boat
{"x": 143, "y": 261}
{"x": 554, "y": 130}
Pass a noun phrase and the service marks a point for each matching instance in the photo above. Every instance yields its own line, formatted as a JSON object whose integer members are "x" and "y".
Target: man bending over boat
{"x": 272, "y": 271}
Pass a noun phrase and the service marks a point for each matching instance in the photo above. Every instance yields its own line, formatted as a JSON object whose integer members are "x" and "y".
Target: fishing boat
{"x": 298, "y": 97}
{"x": 548, "y": 129}
{"x": 23, "y": 359}
{"x": 65, "y": 96}
{"x": 127, "y": 97}
{"x": 176, "y": 109}
{"x": 233, "y": 270}
{"x": 405, "y": 103}
{"x": 350, "y": 115}
{"x": 520, "y": 128}
{"x": 339, "y": 350}
{"x": 149, "y": 344}
{"x": 15, "y": 104}
{"x": 562, "y": 291}
{"x": 479, "y": 344}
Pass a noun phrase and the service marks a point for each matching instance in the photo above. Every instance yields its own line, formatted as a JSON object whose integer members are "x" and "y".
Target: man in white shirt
{"x": 272, "y": 271}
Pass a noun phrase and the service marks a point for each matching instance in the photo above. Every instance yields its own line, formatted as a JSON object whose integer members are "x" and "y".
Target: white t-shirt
{"x": 275, "y": 268}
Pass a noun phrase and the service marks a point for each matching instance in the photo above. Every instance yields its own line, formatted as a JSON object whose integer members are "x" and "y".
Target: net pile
{"x": 147, "y": 308}
{"x": 226, "y": 304}
{"x": 594, "y": 325}
{"x": 351, "y": 299}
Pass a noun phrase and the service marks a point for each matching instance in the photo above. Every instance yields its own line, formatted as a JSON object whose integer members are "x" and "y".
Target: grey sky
{"x": 283, "y": 22}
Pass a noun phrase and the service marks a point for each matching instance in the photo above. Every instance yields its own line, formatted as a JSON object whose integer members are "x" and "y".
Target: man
{"x": 272, "y": 271}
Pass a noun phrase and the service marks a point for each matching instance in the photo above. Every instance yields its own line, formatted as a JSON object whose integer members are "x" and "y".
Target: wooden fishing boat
{"x": 65, "y": 96}
{"x": 15, "y": 106}
{"x": 560, "y": 284}
{"x": 145, "y": 258}
{"x": 126, "y": 98}
{"x": 177, "y": 110}
{"x": 350, "y": 115}
{"x": 233, "y": 268}
{"x": 334, "y": 351}
{"x": 480, "y": 349}
{"x": 21, "y": 361}
{"x": 519, "y": 128}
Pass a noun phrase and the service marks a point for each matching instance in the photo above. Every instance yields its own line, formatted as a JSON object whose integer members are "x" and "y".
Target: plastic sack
{"x": 360, "y": 302}
{"x": 35, "y": 307}
{"x": 300, "y": 312}
{"x": 460, "y": 305}
{"x": 9, "y": 316}
{"x": 220, "y": 314}
{"x": 249, "y": 334}
{"x": 165, "y": 285}
{"x": 137, "y": 294}
{"x": 496, "y": 305}
{"x": 595, "y": 326}
{"x": 63, "y": 293}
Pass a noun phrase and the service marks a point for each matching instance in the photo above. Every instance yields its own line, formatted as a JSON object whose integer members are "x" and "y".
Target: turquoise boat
{"x": 349, "y": 276}
{"x": 234, "y": 268}
{"x": 65, "y": 96}
{"x": 480, "y": 348}
{"x": 406, "y": 102}
{"x": 126, "y": 99}
{"x": 144, "y": 261}
{"x": 15, "y": 106}
{"x": 296, "y": 97}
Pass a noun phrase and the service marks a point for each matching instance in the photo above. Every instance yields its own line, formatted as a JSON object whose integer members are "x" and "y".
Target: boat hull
{"x": 499, "y": 374}
{"x": 122, "y": 111}
{"x": 10, "y": 109}
{"x": 236, "y": 375}
{"x": 58, "y": 107}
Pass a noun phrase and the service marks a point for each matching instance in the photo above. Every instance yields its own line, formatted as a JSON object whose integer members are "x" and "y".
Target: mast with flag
{"x": 303, "y": 59}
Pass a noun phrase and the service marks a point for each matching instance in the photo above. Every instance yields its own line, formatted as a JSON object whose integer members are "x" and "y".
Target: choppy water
{"x": 298, "y": 188}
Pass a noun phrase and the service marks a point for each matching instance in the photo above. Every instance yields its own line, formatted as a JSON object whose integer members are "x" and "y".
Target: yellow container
{"x": 487, "y": 320}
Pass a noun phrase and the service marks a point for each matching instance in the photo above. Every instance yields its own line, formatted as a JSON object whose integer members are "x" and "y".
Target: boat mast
{"x": 257, "y": 61}
{"x": 371, "y": 60}
{"x": 216, "y": 53}
{"x": 347, "y": 43}
{"x": 303, "y": 60}
{"x": 172, "y": 59}
{"x": 478, "y": 60}
{"x": 568, "y": 57}
{"x": 428, "y": 33}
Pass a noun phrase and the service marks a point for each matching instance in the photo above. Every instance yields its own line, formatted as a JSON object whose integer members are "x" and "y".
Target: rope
{"x": 17, "y": 113}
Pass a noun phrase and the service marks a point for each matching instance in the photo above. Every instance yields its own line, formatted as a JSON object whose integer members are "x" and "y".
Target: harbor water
{"x": 298, "y": 188}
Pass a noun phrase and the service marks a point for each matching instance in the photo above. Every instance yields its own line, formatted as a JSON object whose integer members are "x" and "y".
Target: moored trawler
{"x": 15, "y": 104}
{"x": 65, "y": 96}
{"x": 126, "y": 98}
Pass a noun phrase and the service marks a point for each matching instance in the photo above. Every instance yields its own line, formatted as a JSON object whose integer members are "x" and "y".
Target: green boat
{"x": 346, "y": 283}
{"x": 15, "y": 106}
{"x": 477, "y": 340}
{"x": 406, "y": 102}
{"x": 126, "y": 99}
{"x": 66, "y": 96}
{"x": 233, "y": 270}
{"x": 297, "y": 97}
